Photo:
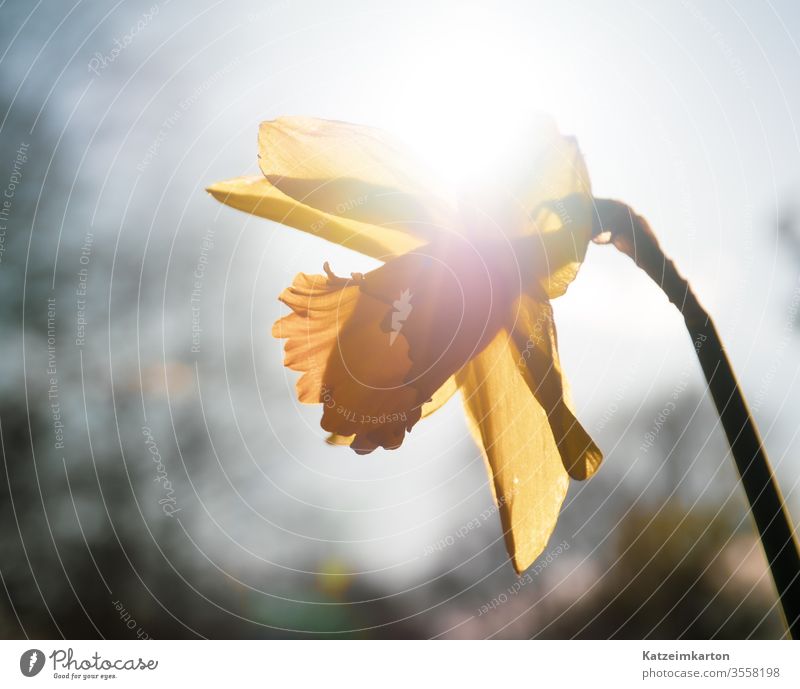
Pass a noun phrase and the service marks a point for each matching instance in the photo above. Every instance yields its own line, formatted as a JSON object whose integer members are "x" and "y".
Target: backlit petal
{"x": 375, "y": 349}
{"x": 257, "y": 196}
{"x": 523, "y": 194}
{"x": 534, "y": 334}
{"x": 354, "y": 172}
{"x": 522, "y": 458}
{"x": 460, "y": 295}
{"x": 567, "y": 223}
{"x": 337, "y": 339}
{"x": 439, "y": 399}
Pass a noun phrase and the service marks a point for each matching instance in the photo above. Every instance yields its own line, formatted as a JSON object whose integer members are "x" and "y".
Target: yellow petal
{"x": 340, "y": 440}
{"x": 353, "y": 172}
{"x": 460, "y": 295}
{"x": 567, "y": 224}
{"x": 524, "y": 194}
{"x": 534, "y": 334}
{"x": 559, "y": 196}
{"x": 439, "y": 399}
{"x": 335, "y": 337}
{"x": 311, "y": 330}
{"x": 375, "y": 354}
{"x": 257, "y": 196}
{"x": 522, "y": 458}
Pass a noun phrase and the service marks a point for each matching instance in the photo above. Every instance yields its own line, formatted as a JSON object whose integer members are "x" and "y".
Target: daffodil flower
{"x": 461, "y": 301}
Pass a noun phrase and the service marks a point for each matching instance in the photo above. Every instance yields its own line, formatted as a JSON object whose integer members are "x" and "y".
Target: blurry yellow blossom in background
{"x": 461, "y": 301}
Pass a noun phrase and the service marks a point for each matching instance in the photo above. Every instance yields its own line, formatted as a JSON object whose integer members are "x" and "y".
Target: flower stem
{"x": 616, "y": 223}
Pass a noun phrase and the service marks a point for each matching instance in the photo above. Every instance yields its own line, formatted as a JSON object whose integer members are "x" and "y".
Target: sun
{"x": 468, "y": 87}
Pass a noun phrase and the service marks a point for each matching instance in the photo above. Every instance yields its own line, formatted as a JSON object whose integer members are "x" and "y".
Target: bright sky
{"x": 686, "y": 110}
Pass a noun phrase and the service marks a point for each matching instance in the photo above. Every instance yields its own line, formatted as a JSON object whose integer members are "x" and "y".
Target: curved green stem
{"x": 616, "y": 223}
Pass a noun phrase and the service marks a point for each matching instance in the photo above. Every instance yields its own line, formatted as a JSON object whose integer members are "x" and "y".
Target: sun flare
{"x": 469, "y": 88}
